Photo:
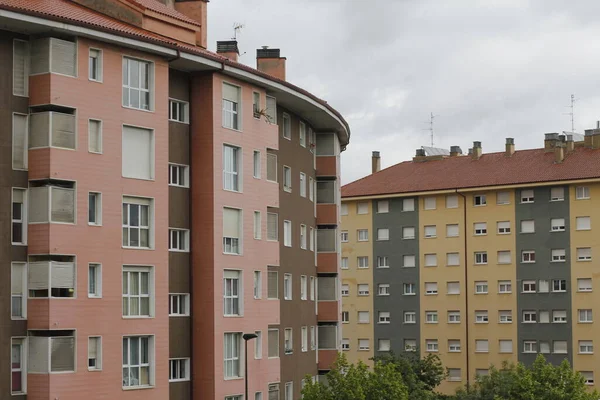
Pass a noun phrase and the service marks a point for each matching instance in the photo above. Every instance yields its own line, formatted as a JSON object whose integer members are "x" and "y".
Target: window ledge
{"x": 136, "y": 248}
{"x": 138, "y": 387}
{"x": 179, "y": 380}
{"x": 137, "y": 109}
{"x": 94, "y": 369}
{"x": 91, "y": 224}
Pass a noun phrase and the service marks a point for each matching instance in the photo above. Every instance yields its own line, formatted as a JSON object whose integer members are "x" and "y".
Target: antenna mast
{"x": 237, "y": 27}
{"x": 431, "y": 117}
{"x": 572, "y": 113}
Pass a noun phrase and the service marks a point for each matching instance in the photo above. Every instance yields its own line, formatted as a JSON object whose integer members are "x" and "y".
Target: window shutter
{"x": 272, "y": 167}
{"x": 231, "y": 223}
{"x": 63, "y": 275}
{"x": 583, "y": 223}
{"x": 62, "y": 358}
{"x": 326, "y": 195}
{"x": 40, "y": 56}
{"x": 138, "y": 153}
{"x": 503, "y": 198}
{"x": 273, "y": 343}
{"x": 231, "y": 93}
{"x": 557, "y": 193}
{"x": 64, "y": 57}
{"x": 272, "y": 109}
{"x": 452, "y": 201}
{"x": 95, "y": 138}
{"x": 16, "y": 279}
{"x": 451, "y": 230}
{"x": 506, "y": 346}
{"x": 38, "y": 204}
{"x": 481, "y": 345}
{"x": 19, "y": 141}
{"x": 38, "y": 275}
{"x": 584, "y": 252}
{"x": 38, "y": 354}
{"x": 20, "y": 63}
{"x": 39, "y": 127}
{"x": 527, "y": 226}
{"x": 408, "y": 205}
{"x": 93, "y": 347}
{"x": 544, "y": 347}
{"x": 272, "y": 226}
{"x": 63, "y": 205}
{"x": 63, "y": 130}
{"x": 560, "y": 346}
{"x": 326, "y": 288}
{"x": 272, "y": 285}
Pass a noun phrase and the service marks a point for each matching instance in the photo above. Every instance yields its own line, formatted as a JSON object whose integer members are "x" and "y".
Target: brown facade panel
{"x": 327, "y": 214}
{"x": 179, "y": 337}
{"x": 180, "y": 390}
{"x": 179, "y": 143}
{"x": 329, "y": 311}
{"x": 179, "y": 207}
{"x": 327, "y": 263}
{"x": 179, "y": 85}
{"x": 327, "y": 358}
{"x": 327, "y": 166}
{"x": 179, "y": 272}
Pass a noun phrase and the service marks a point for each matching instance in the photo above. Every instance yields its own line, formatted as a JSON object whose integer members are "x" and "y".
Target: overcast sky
{"x": 488, "y": 69}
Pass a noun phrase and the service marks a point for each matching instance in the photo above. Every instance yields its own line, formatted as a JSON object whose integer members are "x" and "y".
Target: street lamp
{"x": 247, "y": 336}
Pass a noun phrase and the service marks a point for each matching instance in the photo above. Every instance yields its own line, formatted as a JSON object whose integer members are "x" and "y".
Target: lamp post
{"x": 247, "y": 337}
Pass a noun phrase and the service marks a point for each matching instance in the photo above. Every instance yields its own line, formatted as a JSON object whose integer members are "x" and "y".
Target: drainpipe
{"x": 466, "y": 286}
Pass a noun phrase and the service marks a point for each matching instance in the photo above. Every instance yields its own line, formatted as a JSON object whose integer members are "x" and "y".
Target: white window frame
{"x": 383, "y": 206}
{"x": 287, "y": 286}
{"x": 100, "y": 136}
{"x": 26, "y": 69}
{"x": 179, "y": 175}
{"x": 128, "y": 87}
{"x": 287, "y": 233}
{"x": 230, "y": 246}
{"x": 175, "y": 363}
{"x": 431, "y": 317}
{"x": 234, "y": 340}
{"x": 233, "y": 293}
{"x": 22, "y": 298}
{"x": 286, "y": 126}
{"x": 383, "y": 289}
{"x": 582, "y": 254}
{"x": 384, "y": 317}
{"x": 311, "y": 188}
{"x": 410, "y": 317}
{"x": 557, "y": 193}
{"x": 582, "y": 193}
{"x": 411, "y": 292}
{"x": 586, "y": 346}
{"x": 526, "y": 256}
{"x": 143, "y": 204}
{"x": 529, "y": 286}
{"x": 97, "y": 268}
{"x": 527, "y": 196}
{"x": 23, "y": 221}
{"x": 99, "y": 65}
{"x": 232, "y": 174}
{"x": 503, "y": 227}
{"x": 302, "y": 184}
{"x": 431, "y": 346}
{"x": 176, "y": 242}
{"x": 303, "y": 236}
{"x": 150, "y": 359}
{"x": 303, "y": 287}
{"x": 98, "y": 366}
{"x": 362, "y": 235}
{"x": 429, "y": 203}
{"x": 588, "y": 225}
{"x": 383, "y": 262}
{"x": 430, "y": 231}
{"x": 481, "y": 257}
{"x": 480, "y": 228}
{"x": 454, "y": 317}
{"x": 584, "y": 285}
{"x": 499, "y": 198}
{"x": 505, "y": 317}
{"x": 129, "y": 269}
{"x": 479, "y": 200}
{"x": 383, "y": 234}
{"x": 302, "y": 134}
{"x": 408, "y": 205}
{"x": 504, "y": 287}
{"x": 588, "y": 313}
{"x": 529, "y": 346}
{"x": 175, "y": 106}
{"x": 287, "y": 179}
{"x": 231, "y": 111}
{"x": 482, "y": 317}
{"x": 179, "y": 304}
{"x": 405, "y": 235}
{"x": 257, "y": 231}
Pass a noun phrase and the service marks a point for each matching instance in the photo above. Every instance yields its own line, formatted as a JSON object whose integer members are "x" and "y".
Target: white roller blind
{"x": 272, "y": 167}
{"x": 504, "y": 257}
{"x": 481, "y": 345}
{"x": 451, "y": 230}
{"x": 16, "y": 279}
{"x": 231, "y": 223}
{"x": 20, "y": 70}
{"x": 430, "y": 231}
{"x": 560, "y": 346}
{"x": 93, "y": 347}
{"x": 64, "y": 57}
{"x": 452, "y": 259}
{"x": 63, "y": 130}
{"x": 363, "y": 317}
{"x": 453, "y": 287}
{"x": 95, "y": 137}
{"x": 138, "y": 153}
{"x": 229, "y": 274}
{"x": 40, "y": 56}
{"x": 452, "y": 201}
{"x": 63, "y": 205}
{"x": 544, "y": 347}
{"x": 39, "y": 130}
{"x": 408, "y": 261}
{"x": 502, "y": 197}
{"x": 19, "y": 157}
{"x": 430, "y": 260}
{"x": 506, "y": 346}
{"x": 62, "y": 358}
{"x": 38, "y": 204}
{"x": 38, "y": 275}
{"x": 544, "y": 317}
{"x": 408, "y": 232}
{"x": 557, "y": 193}
{"x": 431, "y": 287}
{"x": 384, "y": 345}
{"x": 231, "y": 93}
{"x": 17, "y": 195}
{"x": 408, "y": 204}
{"x": 272, "y": 109}
{"x": 63, "y": 275}
{"x": 584, "y": 253}
{"x": 544, "y": 286}
{"x": 583, "y": 223}
{"x": 38, "y": 354}
{"x": 527, "y": 226}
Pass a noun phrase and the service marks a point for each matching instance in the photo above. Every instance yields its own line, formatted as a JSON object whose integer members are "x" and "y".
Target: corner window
{"x": 51, "y": 278}
{"x": 272, "y": 227}
{"x": 20, "y": 133}
{"x": 138, "y": 79}
{"x": 256, "y": 110}
{"x": 257, "y": 285}
{"x": 138, "y": 363}
{"x": 288, "y": 343}
{"x": 137, "y": 222}
{"x": 179, "y": 111}
{"x": 232, "y": 228}
{"x": 271, "y": 110}
{"x": 95, "y": 65}
{"x": 51, "y": 351}
{"x": 179, "y": 240}
{"x": 95, "y": 136}
{"x": 303, "y": 237}
{"x": 18, "y": 284}
{"x": 231, "y": 106}
{"x": 137, "y": 286}
{"x": 231, "y": 169}
{"x": 257, "y": 225}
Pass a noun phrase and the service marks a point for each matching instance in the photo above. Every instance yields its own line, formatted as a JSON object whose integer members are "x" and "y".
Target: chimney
{"x": 550, "y": 140}
{"x": 420, "y": 156}
{"x": 455, "y": 151}
{"x": 559, "y": 152}
{"x": 510, "y": 147}
{"x": 477, "y": 150}
{"x": 570, "y": 144}
{"x": 375, "y": 162}
{"x": 270, "y": 62}
{"x": 229, "y": 49}
{"x": 196, "y": 10}
{"x": 592, "y": 137}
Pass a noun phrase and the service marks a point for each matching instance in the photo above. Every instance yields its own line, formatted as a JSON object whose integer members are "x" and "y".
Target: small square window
{"x": 479, "y": 200}
{"x": 383, "y": 206}
{"x": 527, "y": 196}
{"x": 429, "y": 203}
{"x": 179, "y": 111}
{"x": 95, "y": 65}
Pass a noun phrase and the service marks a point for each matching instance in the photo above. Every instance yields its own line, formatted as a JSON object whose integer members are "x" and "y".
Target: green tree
{"x": 541, "y": 381}
{"x": 348, "y": 381}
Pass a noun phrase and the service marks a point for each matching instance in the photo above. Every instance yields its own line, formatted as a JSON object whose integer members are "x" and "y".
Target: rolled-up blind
{"x": 63, "y": 205}
{"x": 17, "y": 196}
{"x": 63, "y": 130}
{"x": 19, "y": 140}
{"x": 63, "y": 57}
{"x": 16, "y": 279}
{"x": 62, "y": 357}
{"x": 38, "y": 204}
{"x": 38, "y": 274}
{"x": 20, "y": 73}
{"x": 39, "y": 129}
{"x": 63, "y": 275}
{"x": 231, "y": 93}
{"x": 137, "y": 153}
{"x": 231, "y": 223}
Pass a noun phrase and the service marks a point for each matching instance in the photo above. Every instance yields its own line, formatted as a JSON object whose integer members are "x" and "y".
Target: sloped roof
{"x": 494, "y": 169}
{"x": 160, "y": 8}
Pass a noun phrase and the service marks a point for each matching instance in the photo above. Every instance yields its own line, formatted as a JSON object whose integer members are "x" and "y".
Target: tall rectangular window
{"x": 138, "y": 153}
{"x": 303, "y": 237}
{"x": 179, "y": 111}
{"x": 54, "y": 279}
{"x": 257, "y": 225}
{"x": 18, "y": 366}
{"x": 311, "y": 188}
{"x": 304, "y": 333}
{"x": 20, "y": 129}
{"x": 137, "y": 284}
{"x": 287, "y": 233}
{"x": 288, "y": 342}
{"x": 287, "y": 178}
{"x": 94, "y": 280}
{"x": 271, "y": 110}
{"x": 273, "y": 344}
{"x": 94, "y": 208}
{"x": 302, "y": 184}
{"x": 258, "y": 345}
{"x": 289, "y": 391}
{"x": 231, "y": 106}
{"x": 18, "y": 285}
{"x": 272, "y": 285}
{"x": 287, "y": 286}
{"x": 256, "y": 164}
{"x": 287, "y": 126}
{"x": 137, "y": 83}
{"x": 231, "y": 169}
{"x": 312, "y": 239}
{"x": 256, "y": 110}
{"x": 95, "y": 136}
{"x": 231, "y": 293}
{"x": 138, "y": 363}
{"x": 302, "y": 134}
{"x": 272, "y": 226}
{"x": 94, "y": 353}
{"x": 136, "y": 222}
{"x": 312, "y": 288}
{"x": 179, "y": 240}
{"x": 20, "y": 68}
{"x": 303, "y": 287}
{"x": 95, "y": 65}
{"x": 19, "y": 216}
{"x": 271, "y": 167}
{"x": 179, "y": 175}
{"x": 257, "y": 285}
{"x": 232, "y": 228}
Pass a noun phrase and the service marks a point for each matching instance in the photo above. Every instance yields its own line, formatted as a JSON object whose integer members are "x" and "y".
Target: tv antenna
{"x": 431, "y": 118}
{"x": 237, "y": 27}
{"x": 572, "y": 113}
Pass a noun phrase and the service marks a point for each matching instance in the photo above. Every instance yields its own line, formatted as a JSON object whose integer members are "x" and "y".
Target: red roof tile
{"x": 525, "y": 166}
{"x": 160, "y": 8}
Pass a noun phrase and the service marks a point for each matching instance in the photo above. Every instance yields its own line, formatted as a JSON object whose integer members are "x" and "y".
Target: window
{"x": 18, "y": 287}
{"x": 287, "y": 286}
{"x": 431, "y": 345}
{"x": 559, "y": 255}
{"x": 303, "y": 287}
{"x": 363, "y": 344}
{"x": 454, "y": 346}
{"x": 313, "y": 338}
{"x": 136, "y": 291}
{"x": 480, "y": 228}
{"x": 345, "y": 289}
{"x": 503, "y": 227}
{"x": 304, "y": 336}
{"x": 256, "y": 110}
{"x": 588, "y": 377}
{"x": 345, "y": 317}
{"x": 585, "y": 316}
{"x": 429, "y": 203}
{"x": 137, "y": 83}
{"x": 345, "y": 344}
{"x": 383, "y": 234}
{"x": 544, "y": 347}
{"x": 452, "y": 230}
{"x": 410, "y": 317}
{"x": 94, "y": 280}
{"x": 527, "y": 196}
{"x": 256, "y": 164}
{"x": 452, "y": 201}
{"x": 383, "y": 289}
{"x": 482, "y": 346}
{"x": 529, "y": 286}
{"x": 431, "y": 317}
{"x": 344, "y": 264}
{"x": 311, "y": 239}
{"x": 20, "y": 133}
{"x": 479, "y": 200}
{"x": 559, "y": 285}
{"x": 95, "y": 136}
{"x": 482, "y": 372}
{"x": 51, "y": 278}
{"x": 431, "y": 288}
{"x": 584, "y": 284}
{"x": 20, "y": 77}
{"x": 257, "y": 285}
{"x": 527, "y": 226}
{"x": 179, "y": 240}
{"x": 481, "y": 257}
{"x": 431, "y": 260}
{"x": 452, "y": 259}
{"x": 559, "y": 347}
{"x": 384, "y": 317}
{"x": 343, "y": 208}
{"x": 559, "y": 316}
{"x": 408, "y": 261}
{"x": 544, "y": 317}
{"x": 94, "y": 353}
{"x": 179, "y": 305}
{"x": 18, "y": 366}
{"x": 272, "y": 118}
{"x": 257, "y": 225}
{"x": 363, "y": 235}
{"x": 137, "y": 360}
{"x": 584, "y": 254}
{"x": 288, "y": 344}
{"x": 312, "y": 288}
{"x": 302, "y": 134}
{"x": 454, "y": 317}
{"x": 383, "y": 206}
{"x": 231, "y": 355}
{"x": 544, "y": 286}
{"x": 430, "y": 231}
{"x": 287, "y": 126}
{"x": 505, "y": 317}
{"x": 586, "y": 347}
{"x": 179, "y": 369}
{"x": 452, "y": 288}
{"x": 179, "y": 175}
{"x": 410, "y": 345}
{"x": 408, "y": 205}
{"x": 502, "y": 198}
{"x": 311, "y": 192}
{"x": 363, "y": 289}
{"x": 232, "y": 229}
{"x": 528, "y": 256}
{"x": 231, "y": 163}
{"x": 583, "y": 223}
{"x": 19, "y": 216}
{"x": 137, "y": 153}
{"x": 384, "y": 345}
{"x": 504, "y": 257}
{"x": 529, "y": 317}
{"x": 362, "y": 208}
{"x": 231, "y": 106}
{"x": 582, "y": 192}
{"x": 271, "y": 167}
{"x": 272, "y": 226}
{"x": 344, "y": 236}
{"x": 557, "y": 194}
{"x": 362, "y": 262}
{"x": 557, "y": 224}
{"x": 504, "y": 287}
{"x": 303, "y": 237}
{"x": 95, "y": 65}
{"x": 273, "y": 343}
{"x": 408, "y": 232}
{"x": 179, "y": 111}
{"x": 506, "y": 346}
{"x": 287, "y": 233}
{"x": 289, "y": 391}
{"x": 383, "y": 262}
{"x": 409, "y": 289}
{"x": 287, "y": 179}
{"x": 302, "y": 184}
{"x": 481, "y": 317}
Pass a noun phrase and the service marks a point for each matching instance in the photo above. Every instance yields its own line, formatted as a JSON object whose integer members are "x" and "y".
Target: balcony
{"x": 327, "y": 263}
{"x": 52, "y": 201}
{"x": 51, "y": 351}
{"x": 328, "y": 345}
{"x": 329, "y": 311}
{"x": 327, "y": 240}
{"x": 52, "y": 129}
{"x": 327, "y": 214}
{"x": 327, "y": 166}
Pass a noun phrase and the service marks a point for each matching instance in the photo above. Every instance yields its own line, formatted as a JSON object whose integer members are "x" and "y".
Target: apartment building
{"x": 478, "y": 258}
{"x": 167, "y": 203}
